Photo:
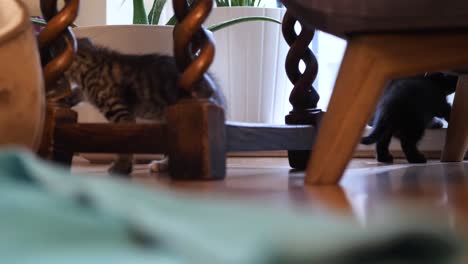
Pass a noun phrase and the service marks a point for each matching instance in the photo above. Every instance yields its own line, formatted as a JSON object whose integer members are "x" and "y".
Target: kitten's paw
{"x": 417, "y": 159}
{"x": 159, "y": 165}
{"x": 385, "y": 158}
{"x": 120, "y": 168}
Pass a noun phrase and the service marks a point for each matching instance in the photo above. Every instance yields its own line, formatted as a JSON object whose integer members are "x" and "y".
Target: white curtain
{"x": 329, "y": 52}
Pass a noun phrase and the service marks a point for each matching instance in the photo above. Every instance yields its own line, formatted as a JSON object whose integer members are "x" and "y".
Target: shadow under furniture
{"x": 386, "y": 39}
{"x": 195, "y": 135}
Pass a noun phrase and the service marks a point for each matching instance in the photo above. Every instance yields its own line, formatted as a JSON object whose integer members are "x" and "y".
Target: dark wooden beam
{"x": 152, "y": 138}
{"x": 113, "y": 138}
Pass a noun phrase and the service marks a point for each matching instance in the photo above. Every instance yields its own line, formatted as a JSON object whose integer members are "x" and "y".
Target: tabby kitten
{"x": 125, "y": 87}
{"x": 406, "y": 109}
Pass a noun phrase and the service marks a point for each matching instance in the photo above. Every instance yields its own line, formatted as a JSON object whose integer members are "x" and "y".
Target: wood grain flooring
{"x": 366, "y": 187}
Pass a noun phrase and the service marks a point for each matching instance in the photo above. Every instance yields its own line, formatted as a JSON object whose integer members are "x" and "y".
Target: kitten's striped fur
{"x": 125, "y": 87}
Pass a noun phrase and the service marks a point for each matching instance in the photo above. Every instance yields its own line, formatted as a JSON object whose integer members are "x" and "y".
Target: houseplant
{"x": 249, "y": 61}
{"x": 153, "y": 16}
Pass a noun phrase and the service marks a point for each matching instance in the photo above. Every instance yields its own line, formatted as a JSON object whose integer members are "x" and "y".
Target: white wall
{"x": 120, "y": 12}
{"x": 92, "y": 12}
{"x": 33, "y": 7}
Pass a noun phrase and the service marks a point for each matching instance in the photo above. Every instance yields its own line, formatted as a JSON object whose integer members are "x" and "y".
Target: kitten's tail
{"x": 370, "y": 139}
{"x": 374, "y": 136}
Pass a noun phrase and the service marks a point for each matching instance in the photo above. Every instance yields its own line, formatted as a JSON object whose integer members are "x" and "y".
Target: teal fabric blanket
{"x": 51, "y": 216}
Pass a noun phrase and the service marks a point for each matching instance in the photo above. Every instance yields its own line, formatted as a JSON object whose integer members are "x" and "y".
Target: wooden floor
{"x": 366, "y": 188}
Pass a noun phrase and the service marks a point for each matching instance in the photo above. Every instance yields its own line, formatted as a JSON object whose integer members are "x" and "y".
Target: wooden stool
{"x": 195, "y": 136}
{"x": 387, "y": 39}
{"x": 456, "y": 140}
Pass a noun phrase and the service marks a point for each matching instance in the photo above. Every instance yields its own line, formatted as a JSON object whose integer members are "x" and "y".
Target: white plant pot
{"x": 249, "y": 64}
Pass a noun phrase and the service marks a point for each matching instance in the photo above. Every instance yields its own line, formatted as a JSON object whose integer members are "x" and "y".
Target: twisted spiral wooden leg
{"x": 57, "y": 37}
{"x": 58, "y": 46}
{"x": 303, "y": 97}
{"x": 197, "y": 148}
{"x": 193, "y": 47}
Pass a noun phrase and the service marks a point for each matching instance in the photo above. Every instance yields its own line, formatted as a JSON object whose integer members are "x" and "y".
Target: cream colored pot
{"x": 21, "y": 85}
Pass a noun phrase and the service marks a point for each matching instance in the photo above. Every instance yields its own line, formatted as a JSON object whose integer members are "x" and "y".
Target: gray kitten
{"x": 125, "y": 87}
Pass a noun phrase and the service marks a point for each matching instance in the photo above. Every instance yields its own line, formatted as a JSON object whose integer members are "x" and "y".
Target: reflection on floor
{"x": 365, "y": 190}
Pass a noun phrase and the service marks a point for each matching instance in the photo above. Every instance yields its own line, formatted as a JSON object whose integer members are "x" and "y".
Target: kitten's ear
{"x": 450, "y": 84}
{"x": 446, "y": 82}
{"x": 435, "y": 76}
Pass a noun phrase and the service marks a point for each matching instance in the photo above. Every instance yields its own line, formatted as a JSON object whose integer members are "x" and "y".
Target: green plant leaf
{"x": 42, "y": 22}
{"x": 152, "y": 14}
{"x": 222, "y": 3}
{"x": 155, "y": 12}
{"x": 139, "y": 13}
{"x": 172, "y": 21}
{"x": 38, "y": 21}
{"x": 234, "y": 21}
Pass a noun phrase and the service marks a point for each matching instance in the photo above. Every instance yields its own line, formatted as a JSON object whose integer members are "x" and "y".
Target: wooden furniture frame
{"x": 425, "y": 36}
{"x": 195, "y": 136}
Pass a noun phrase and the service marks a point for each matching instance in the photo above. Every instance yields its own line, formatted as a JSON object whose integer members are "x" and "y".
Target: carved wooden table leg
{"x": 196, "y": 139}
{"x": 56, "y": 33}
{"x": 196, "y": 131}
{"x": 45, "y": 148}
{"x": 53, "y": 148}
{"x": 303, "y": 97}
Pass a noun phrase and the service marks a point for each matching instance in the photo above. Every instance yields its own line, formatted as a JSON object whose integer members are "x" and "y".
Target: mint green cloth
{"x": 51, "y": 216}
